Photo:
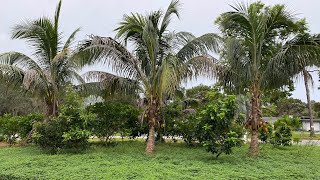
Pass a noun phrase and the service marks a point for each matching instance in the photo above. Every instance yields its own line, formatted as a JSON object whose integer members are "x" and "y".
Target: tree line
{"x": 261, "y": 49}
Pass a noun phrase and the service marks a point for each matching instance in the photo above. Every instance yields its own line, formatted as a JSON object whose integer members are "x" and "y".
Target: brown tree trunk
{"x": 254, "y": 120}
{"x": 51, "y": 109}
{"x": 305, "y": 78}
{"x": 153, "y": 116}
{"x": 150, "y": 143}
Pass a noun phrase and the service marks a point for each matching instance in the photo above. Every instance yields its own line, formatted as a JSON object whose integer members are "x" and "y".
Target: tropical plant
{"x": 265, "y": 132}
{"x": 261, "y": 52}
{"x": 53, "y": 66}
{"x": 68, "y": 130}
{"x": 13, "y": 127}
{"x": 283, "y": 131}
{"x": 112, "y": 118}
{"x": 18, "y": 102}
{"x": 218, "y": 125}
{"x": 159, "y": 62}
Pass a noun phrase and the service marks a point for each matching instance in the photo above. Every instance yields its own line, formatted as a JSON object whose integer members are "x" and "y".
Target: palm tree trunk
{"x": 305, "y": 78}
{"x": 254, "y": 118}
{"x": 151, "y": 141}
{"x": 51, "y": 109}
{"x": 153, "y": 117}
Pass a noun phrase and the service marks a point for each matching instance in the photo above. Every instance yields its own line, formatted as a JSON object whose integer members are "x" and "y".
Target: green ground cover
{"x": 304, "y": 135}
{"x": 127, "y": 160}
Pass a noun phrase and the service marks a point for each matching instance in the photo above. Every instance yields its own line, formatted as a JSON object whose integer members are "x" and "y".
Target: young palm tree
{"x": 159, "y": 62}
{"x": 52, "y": 68}
{"x": 254, "y": 35}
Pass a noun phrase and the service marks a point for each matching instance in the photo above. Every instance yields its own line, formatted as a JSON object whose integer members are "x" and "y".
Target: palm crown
{"x": 53, "y": 66}
{"x": 160, "y": 59}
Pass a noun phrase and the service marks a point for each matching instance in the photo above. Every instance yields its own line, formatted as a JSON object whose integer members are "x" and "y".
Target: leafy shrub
{"x": 282, "y": 135}
{"x": 188, "y": 127}
{"x": 218, "y": 120}
{"x": 283, "y": 130}
{"x": 114, "y": 117}
{"x": 13, "y": 127}
{"x": 68, "y": 130}
{"x": 172, "y": 115}
{"x": 294, "y": 122}
{"x": 9, "y": 126}
{"x": 265, "y": 131}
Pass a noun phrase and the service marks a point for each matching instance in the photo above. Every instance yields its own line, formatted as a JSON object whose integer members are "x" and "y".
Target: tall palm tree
{"x": 304, "y": 49}
{"x": 53, "y": 66}
{"x": 159, "y": 62}
{"x": 254, "y": 35}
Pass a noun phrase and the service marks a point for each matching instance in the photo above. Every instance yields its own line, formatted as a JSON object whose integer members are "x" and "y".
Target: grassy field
{"x": 171, "y": 161}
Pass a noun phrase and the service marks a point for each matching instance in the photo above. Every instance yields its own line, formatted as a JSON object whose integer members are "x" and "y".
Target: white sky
{"x": 100, "y": 17}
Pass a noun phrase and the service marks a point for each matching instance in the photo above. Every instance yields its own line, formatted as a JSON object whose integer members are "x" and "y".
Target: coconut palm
{"x": 159, "y": 62}
{"x": 51, "y": 66}
{"x": 299, "y": 53}
{"x": 254, "y": 35}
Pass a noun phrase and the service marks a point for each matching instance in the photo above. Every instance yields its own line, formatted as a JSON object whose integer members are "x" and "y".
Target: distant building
{"x": 305, "y": 120}
{"x": 270, "y": 120}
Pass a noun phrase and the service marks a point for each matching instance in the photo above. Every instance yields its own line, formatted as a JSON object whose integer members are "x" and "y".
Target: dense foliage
{"x": 114, "y": 117}
{"x": 68, "y": 130}
{"x": 283, "y": 130}
{"x": 265, "y": 131}
{"x": 13, "y": 127}
{"x": 18, "y": 102}
{"x": 218, "y": 119}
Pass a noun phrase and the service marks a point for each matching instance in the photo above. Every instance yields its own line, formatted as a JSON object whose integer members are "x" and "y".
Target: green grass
{"x": 171, "y": 161}
{"x": 305, "y": 135}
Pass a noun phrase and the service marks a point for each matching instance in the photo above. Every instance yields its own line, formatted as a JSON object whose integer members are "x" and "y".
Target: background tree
{"x": 53, "y": 67}
{"x": 15, "y": 101}
{"x": 159, "y": 62}
{"x": 299, "y": 53}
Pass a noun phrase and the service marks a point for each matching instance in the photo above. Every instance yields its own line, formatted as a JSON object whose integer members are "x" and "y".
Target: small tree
{"x": 68, "y": 130}
{"x": 283, "y": 130}
{"x": 113, "y": 117}
{"x": 217, "y": 120}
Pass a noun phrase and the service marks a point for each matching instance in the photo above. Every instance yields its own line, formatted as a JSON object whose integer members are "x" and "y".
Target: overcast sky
{"x": 100, "y": 17}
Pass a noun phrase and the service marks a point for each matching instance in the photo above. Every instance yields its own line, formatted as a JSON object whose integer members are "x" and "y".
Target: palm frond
{"x": 109, "y": 52}
{"x": 42, "y": 36}
{"x": 198, "y": 46}
{"x": 173, "y": 9}
{"x": 112, "y": 82}
{"x": 70, "y": 39}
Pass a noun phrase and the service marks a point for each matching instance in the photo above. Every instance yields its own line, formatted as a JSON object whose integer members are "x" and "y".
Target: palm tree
{"x": 304, "y": 49}
{"x": 159, "y": 62}
{"x": 53, "y": 66}
{"x": 253, "y": 37}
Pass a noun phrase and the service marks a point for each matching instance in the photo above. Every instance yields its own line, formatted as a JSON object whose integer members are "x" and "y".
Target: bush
{"x": 283, "y": 131}
{"x": 9, "y": 126}
{"x": 114, "y": 117}
{"x": 265, "y": 131}
{"x": 188, "y": 127}
{"x": 171, "y": 116}
{"x": 218, "y": 121}
{"x": 13, "y": 127}
{"x": 282, "y": 135}
{"x": 68, "y": 130}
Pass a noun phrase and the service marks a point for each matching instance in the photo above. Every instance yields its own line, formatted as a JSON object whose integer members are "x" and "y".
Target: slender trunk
{"x": 255, "y": 117}
{"x": 51, "y": 109}
{"x": 305, "y": 77}
{"x": 153, "y": 117}
{"x": 150, "y": 143}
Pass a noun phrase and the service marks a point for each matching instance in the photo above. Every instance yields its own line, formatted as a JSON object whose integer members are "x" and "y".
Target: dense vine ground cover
{"x": 171, "y": 161}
